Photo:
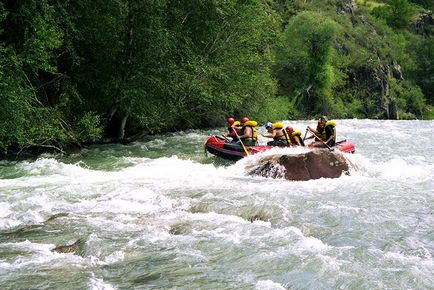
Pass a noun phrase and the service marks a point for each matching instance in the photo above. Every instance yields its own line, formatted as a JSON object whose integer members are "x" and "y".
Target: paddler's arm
{"x": 331, "y": 136}
{"x": 313, "y": 131}
{"x": 297, "y": 140}
{"x": 267, "y": 135}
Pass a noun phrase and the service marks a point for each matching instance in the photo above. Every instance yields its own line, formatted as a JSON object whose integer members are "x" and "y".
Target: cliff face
{"x": 372, "y": 83}
{"x": 424, "y": 24}
{"x": 377, "y": 82}
{"x": 347, "y": 7}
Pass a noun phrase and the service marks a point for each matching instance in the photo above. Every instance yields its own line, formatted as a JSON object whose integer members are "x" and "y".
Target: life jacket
{"x": 324, "y": 134}
{"x": 251, "y": 124}
{"x": 293, "y": 134}
{"x": 277, "y": 126}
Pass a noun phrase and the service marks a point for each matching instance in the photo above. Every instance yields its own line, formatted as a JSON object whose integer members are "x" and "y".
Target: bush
{"x": 89, "y": 127}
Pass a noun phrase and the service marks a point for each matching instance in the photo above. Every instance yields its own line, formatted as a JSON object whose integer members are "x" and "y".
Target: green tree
{"x": 226, "y": 59}
{"x": 397, "y": 13}
{"x": 305, "y": 55}
{"x": 33, "y": 92}
{"x": 425, "y": 67}
{"x": 428, "y": 4}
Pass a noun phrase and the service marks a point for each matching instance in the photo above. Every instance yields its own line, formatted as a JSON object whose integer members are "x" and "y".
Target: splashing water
{"x": 158, "y": 214}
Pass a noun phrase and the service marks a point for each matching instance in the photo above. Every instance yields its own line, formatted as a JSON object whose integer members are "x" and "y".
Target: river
{"x": 159, "y": 214}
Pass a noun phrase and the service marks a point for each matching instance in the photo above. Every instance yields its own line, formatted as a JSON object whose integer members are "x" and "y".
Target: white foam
{"x": 29, "y": 246}
{"x": 278, "y": 151}
{"x": 268, "y": 285}
{"x": 99, "y": 284}
{"x": 309, "y": 244}
{"x": 410, "y": 259}
{"x": 114, "y": 257}
{"x": 40, "y": 254}
{"x": 155, "y": 143}
{"x": 5, "y": 210}
{"x": 142, "y": 198}
{"x": 334, "y": 206}
{"x": 397, "y": 169}
{"x": 312, "y": 244}
{"x": 9, "y": 223}
{"x": 409, "y": 168}
{"x": 173, "y": 169}
{"x": 50, "y": 166}
{"x": 31, "y": 217}
{"x": 331, "y": 263}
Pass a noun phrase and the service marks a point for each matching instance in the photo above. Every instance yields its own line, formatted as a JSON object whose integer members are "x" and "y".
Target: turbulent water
{"x": 159, "y": 214}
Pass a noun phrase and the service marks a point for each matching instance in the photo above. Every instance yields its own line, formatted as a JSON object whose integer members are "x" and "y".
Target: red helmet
{"x": 230, "y": 120}
{"x": 290, "y": 129}
{"x": 244, "y": 120}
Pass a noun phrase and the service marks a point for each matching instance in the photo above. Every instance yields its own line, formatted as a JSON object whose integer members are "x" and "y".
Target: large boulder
{"x": 313, "y": 164}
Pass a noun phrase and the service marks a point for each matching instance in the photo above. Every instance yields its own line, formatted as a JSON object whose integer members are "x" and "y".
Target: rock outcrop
{"x": 320, "y": 163}
{"x": 424, "y": 25}
{"x": 75, "y": 248}
{"x": 347, "y": 7}
{"x": 377, "y": 84}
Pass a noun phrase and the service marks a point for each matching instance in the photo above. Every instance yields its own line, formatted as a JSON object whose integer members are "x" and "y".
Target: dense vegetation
{"x": 73, "y": 72}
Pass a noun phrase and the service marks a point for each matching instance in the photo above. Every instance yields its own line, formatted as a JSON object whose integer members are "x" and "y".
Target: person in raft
{"x": 316, "y": 132}
{"x": 233, "y": 129}
{"x": 294, "y": 136}
{"x": 248, "y": 132}
{"x": 279, "y": 135}
{"x": 325, "y": 133}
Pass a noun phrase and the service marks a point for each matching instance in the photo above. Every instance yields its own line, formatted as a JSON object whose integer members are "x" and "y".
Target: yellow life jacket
{"x": 236, "y": 124}
{"x": 296, "y": 133}
{"x": 277, "y": 125}
{"x": 251, "y": 124}
{"x": 329, "y": 123}
{"x": 288, "y": 139}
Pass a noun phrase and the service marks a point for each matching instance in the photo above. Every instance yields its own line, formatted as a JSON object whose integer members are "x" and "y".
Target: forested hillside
{"x": 75, "y": 72}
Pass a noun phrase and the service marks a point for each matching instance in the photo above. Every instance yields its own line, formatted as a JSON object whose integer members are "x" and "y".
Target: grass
{"x": 369, "y": 4}
{"x": 429, "y": 114}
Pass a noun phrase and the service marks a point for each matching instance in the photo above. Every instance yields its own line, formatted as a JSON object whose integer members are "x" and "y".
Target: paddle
{"x": 242, "y": 144}
{"x": 330, "y": 148}
{"x": 304, "y": 138}
{"x": 226, "y": 139}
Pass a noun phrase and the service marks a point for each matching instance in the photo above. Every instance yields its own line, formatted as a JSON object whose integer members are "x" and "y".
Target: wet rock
{"x": 55, "y": 216}
{"x": 74, "y": 248}
{"x": 180, "y": 229}
{"x": 260, "y": 216}
{"x": 199, "y": 208}
{"x": 320, "y": 163}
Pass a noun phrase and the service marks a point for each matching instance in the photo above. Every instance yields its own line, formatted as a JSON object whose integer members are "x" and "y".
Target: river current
{"x": 159, "y": 214}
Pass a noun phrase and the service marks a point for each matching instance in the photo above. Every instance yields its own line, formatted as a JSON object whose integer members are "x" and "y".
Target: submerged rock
{"x": 55, "y": 216}
{"x": 23, "y": 231}
{"x": 74, "y": 248}
{"x": 320, "y": 163}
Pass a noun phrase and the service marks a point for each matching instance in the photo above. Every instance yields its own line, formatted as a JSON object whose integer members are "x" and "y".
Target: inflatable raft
{"x": 219, "y": 146}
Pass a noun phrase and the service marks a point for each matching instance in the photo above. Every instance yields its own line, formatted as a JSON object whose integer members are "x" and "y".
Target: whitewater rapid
{"x": 159, "y": 214}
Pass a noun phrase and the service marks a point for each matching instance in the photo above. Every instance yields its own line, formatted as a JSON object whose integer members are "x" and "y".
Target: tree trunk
{"x": 121, "y": 134}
